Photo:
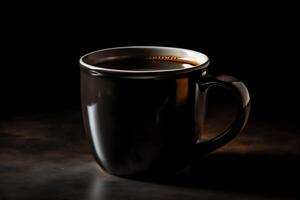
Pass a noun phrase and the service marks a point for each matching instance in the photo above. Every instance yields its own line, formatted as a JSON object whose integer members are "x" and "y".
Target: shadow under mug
{"x": 145, "y": 123}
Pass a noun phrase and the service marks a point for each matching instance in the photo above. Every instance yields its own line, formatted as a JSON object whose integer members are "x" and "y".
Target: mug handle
{"x": 240, "y": 92}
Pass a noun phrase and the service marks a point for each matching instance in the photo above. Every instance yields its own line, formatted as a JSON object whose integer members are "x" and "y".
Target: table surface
{"x": 46, "y": 156}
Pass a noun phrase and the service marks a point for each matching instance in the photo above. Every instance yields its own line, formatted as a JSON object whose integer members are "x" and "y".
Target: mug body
{"x": 141, "y": 123}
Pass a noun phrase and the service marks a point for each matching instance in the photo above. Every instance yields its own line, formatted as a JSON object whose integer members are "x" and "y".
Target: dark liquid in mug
{"x": 153, "y": 63}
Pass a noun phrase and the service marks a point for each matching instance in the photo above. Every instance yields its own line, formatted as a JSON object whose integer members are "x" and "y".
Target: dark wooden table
{"x": 46, "y": 156}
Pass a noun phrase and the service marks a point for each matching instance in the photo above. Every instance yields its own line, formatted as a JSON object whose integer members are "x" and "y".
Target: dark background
{"x": 44, "y": 153}
{"x": 41, "y": 46}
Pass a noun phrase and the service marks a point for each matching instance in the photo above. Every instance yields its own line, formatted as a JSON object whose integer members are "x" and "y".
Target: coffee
{"x": 144, "y": 112}
{"x": 150, "y": 63}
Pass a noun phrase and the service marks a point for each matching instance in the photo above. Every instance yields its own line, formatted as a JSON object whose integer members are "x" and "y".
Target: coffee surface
{"x": 155, "y": 63}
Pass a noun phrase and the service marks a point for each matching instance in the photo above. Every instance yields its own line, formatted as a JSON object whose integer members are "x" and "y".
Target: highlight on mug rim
{"x": 199, "y": 60}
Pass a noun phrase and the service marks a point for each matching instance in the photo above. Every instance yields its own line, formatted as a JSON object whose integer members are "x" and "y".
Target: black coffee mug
{"x": 149, "y": 122}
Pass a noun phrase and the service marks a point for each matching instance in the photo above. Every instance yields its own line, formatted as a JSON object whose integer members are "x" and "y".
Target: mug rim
{"x": 201, "y": 58}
